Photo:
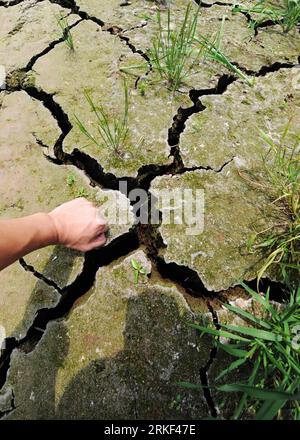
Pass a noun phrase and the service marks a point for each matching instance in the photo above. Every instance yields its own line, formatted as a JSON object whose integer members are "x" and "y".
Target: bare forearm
{"x": 77, "y": 224}
{"x": 18, "y": 237}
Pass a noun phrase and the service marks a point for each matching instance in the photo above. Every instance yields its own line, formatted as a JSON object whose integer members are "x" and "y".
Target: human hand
{"x": 79, "y": 225}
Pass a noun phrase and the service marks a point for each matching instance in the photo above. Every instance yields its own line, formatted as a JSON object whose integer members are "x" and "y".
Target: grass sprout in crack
{"x": 285, "y": 13}
{"x": 174, "y": 53}
{"x": 66, "y": 32}
{"x": 113, "y": 131}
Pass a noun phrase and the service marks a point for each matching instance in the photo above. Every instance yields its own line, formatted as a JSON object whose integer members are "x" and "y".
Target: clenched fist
{"x": 79, "y": 225}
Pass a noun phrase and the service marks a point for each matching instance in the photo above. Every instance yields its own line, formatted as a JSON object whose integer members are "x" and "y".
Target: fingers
{"x": 97, "y": 242}
{"x": 79, "y": 225}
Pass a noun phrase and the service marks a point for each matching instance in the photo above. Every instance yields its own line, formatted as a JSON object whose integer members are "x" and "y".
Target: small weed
{"x": 143, "y": 87}
{"x": 70, "y": 179}
{"x": 113, "y": 132}
{"x": 286, "y": 14}
{"x": 270, "y": 347}
{"x": 173, "y": 54}
{"x": 66, "y": 32}
{"x": 81, "y": 192}
{"x": 138, "y": 270}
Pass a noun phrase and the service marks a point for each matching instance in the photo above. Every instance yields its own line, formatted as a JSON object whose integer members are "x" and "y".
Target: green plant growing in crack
{"x": 114, "y": 131}
{"x": 269, "y": 345}
{"x": 285, "y": 13}
{"x": 138, "y": 270}
{"x": 66, "y": 32}
{"x": 211, "y": 50}
{"x": 174, "y": 54}
{"x": 281, "y": 241}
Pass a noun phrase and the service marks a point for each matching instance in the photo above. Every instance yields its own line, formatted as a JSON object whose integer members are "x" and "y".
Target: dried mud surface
{"x": 82, "y": 339}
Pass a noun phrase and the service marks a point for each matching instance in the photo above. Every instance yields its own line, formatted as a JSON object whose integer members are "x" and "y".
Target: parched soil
{"x": 83, "y": 340}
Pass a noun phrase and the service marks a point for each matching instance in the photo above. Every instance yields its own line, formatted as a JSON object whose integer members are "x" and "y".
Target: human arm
{"x": 76, "y": 224}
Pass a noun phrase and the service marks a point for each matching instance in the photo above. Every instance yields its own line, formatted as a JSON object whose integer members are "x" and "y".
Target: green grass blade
{"x": 247, "y": 315}
{"x": 233, "y": 366}
{"x": 257, "y": 393}
{"x": 254, "y": 332}
{"x": 269, "y": 409}
{"x": 219, "y": 333}
{"x": 190, "y": 386}
{"x": 233, "y": 350}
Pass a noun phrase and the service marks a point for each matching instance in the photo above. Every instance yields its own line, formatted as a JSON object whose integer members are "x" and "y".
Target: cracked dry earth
{"x": 82, "y": 340}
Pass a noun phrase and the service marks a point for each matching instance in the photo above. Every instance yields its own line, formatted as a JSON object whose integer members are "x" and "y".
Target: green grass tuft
{"x": 114, "y": 131}
{"x": 174, "y": 54}
{"x": 138, "y": 270}
{"x": 270, "y": 347}
{"x": 285, "y": 13}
